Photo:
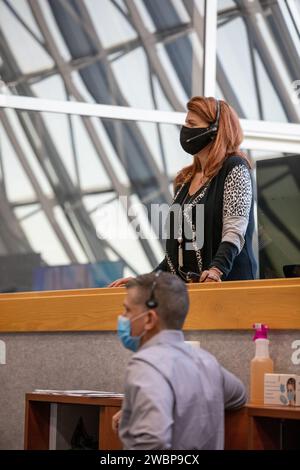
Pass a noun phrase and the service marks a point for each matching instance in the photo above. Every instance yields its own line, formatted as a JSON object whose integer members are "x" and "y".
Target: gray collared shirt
{"x": 175, "y": 396}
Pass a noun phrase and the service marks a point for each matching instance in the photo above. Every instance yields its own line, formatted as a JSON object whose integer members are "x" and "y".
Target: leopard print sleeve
{"x": 237, "y": 200}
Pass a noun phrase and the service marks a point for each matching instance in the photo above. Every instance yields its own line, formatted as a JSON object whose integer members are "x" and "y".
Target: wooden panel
{"x": 264, "y": 433}
{"x": 232, "y": 306}
{"x": 236, "y": 429}
{"x": 108, "y": 439}
{"x": 229, "y": 305}
{"x": 37, "y": 420}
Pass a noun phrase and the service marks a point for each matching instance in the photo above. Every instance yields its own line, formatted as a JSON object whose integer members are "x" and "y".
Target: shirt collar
{"x": 163, "y": 337}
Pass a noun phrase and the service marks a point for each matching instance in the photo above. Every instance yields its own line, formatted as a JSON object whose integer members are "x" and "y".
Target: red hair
{"x": 226, "y": 143}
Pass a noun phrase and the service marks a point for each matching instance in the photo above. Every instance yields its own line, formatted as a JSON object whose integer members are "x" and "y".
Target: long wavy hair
{"x": 226, "y": 143}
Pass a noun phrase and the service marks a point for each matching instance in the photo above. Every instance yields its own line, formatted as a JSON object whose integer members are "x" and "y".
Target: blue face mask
{"x": 124, "y": 332}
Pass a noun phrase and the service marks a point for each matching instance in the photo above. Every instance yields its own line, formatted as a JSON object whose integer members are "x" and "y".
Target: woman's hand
{"x": 120, "y": 282}
{"x": 116, "y": 421}
{"x": 211, "y": 275}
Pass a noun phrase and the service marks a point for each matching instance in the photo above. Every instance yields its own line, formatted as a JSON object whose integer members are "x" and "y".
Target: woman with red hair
{"x": 219, "y": 179}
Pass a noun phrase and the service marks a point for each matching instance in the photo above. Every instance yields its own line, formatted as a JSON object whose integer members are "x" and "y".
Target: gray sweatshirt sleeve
{"x": 234, "y": 390}
{"x": 237, "y": 202}
{"x": 236, "y": 206}
{"x": 147, "y": 412}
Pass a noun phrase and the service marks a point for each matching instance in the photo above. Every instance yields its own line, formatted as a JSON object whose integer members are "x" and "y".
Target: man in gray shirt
{"x": 175, "y": 395}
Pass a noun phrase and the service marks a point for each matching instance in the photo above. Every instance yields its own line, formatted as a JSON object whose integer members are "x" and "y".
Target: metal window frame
{"x": 265, "y": 136}
{"x": 258, "y": 135}
{"x": 210, "y": 47}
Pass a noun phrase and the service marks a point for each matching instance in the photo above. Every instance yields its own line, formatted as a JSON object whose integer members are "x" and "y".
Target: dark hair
{"x": 291, "y": 381}
{"x": 170, "y": 293}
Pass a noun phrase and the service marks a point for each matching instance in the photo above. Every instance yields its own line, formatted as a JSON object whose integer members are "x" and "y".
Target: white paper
{"x": 86, "y": 393}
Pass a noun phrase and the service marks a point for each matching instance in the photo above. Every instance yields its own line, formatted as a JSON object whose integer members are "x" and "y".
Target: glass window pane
{"x": 17, "y": 182}
{"x": 20, "y": 41}
{"x": 117, "y": 50}
{"x": 258, "y": 52}
{"x": 111, "y": 25}
{"x": 278, "y": 183}
{"x": 48, "y": 245}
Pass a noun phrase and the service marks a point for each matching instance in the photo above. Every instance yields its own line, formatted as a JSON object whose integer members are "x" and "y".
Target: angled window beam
{"x": 221, "y": 76}
{"x": 11, "y": 232}
{"x": 52, "y": 165}
{"x": 271, "y": 58}
{"x": 289, "y": 42}
{"x": 71, "y": 89}
{"x": 148, "y": 41}
{"x": 25, "y": 25}
{"x": 36, "y": 186}
{"x": 116, "y": 95}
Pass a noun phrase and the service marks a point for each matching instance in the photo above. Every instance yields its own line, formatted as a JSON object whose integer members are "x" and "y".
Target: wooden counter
{"x": 249, "y": 428}
{"x": 225, "y": 306}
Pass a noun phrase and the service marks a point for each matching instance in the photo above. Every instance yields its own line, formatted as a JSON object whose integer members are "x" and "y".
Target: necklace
{"x": 193, "y": 200}
{"x": 180, "y": 234}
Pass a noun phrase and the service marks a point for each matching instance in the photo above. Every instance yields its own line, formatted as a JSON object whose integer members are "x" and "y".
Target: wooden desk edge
{"x": 72, "y": 399}
{"x": 270, "y": 411}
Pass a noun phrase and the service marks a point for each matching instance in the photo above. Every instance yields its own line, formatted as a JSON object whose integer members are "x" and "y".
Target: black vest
{"x": 244, "y": 264}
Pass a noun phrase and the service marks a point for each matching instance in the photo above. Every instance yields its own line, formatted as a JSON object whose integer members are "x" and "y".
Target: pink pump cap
{"x": 261, "y": 331}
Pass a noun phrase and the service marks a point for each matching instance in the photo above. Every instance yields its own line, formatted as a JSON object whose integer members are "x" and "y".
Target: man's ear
{"x": 152, "y": 320}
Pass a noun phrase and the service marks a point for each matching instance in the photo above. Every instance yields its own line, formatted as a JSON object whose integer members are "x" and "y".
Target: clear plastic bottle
{"x": 261, "y": 364}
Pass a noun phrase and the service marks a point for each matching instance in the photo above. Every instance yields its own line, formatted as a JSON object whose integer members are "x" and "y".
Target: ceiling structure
{"x": 148, "y": 54}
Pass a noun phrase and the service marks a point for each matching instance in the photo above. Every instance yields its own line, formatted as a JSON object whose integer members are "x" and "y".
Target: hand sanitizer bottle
{"x": 261, "y": 364}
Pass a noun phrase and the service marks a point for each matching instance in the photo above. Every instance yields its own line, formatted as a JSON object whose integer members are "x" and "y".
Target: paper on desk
{"x": 86, "y": 393}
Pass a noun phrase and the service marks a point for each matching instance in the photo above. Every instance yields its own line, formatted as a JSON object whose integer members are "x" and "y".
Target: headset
{"x": 152, "y": 302}
{"x": 213, "y": 128}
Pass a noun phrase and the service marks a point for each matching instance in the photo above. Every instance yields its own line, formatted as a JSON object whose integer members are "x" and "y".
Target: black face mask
{"x": 194, "y": 139}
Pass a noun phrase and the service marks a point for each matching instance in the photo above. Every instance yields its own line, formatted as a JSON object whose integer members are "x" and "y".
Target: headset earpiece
{"x": 215, "y": 125}
{"x": 152, "y": 302}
